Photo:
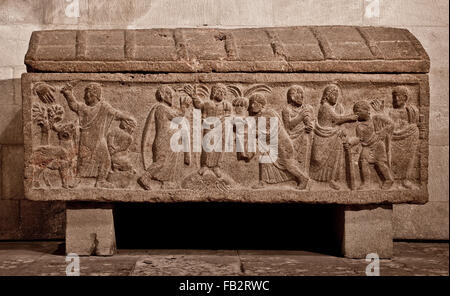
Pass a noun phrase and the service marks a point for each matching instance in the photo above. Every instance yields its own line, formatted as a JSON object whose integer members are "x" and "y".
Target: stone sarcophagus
{"x": 325, "y": 115}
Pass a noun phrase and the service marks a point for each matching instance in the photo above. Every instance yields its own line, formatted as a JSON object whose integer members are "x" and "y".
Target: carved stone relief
{"x": 341, "y": 133}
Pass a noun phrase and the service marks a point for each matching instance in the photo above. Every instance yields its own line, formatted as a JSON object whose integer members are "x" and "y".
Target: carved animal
{"x": 61, "y": 158}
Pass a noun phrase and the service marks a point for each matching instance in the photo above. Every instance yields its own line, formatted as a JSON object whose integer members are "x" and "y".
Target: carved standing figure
{"x": 405, "y": 136}
{"x": 95, "y": 116}
{"x": 371, "y": 133}
{"x": 299, "y": 122}
{"x": 327, "y": 152}
{"x": 216, "y": 106}
{"x": 164, "y": 160}
{"x": 285, "y": 167}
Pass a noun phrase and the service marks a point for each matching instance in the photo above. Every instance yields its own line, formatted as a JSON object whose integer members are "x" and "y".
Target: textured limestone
{"x": 12, "y": 172}
{"x": 90, "y": 230}
{"x": 45, "y": 258}
{"x": 365, "y": 230}
{"x": 9, "y": 219}
{"x": 426, "y": 222}
{"x": 348, "y": 139}
{"x": 200, "y": 263}
{"x": 140, "y": 90}
{"x": 289, "y": 49}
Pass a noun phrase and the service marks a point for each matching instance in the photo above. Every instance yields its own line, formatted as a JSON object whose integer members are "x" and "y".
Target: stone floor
{"x": 47, "y": 258}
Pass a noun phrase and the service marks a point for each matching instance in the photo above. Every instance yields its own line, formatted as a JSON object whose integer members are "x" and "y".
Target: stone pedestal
{"x": 365, "y": 229}
{"x": 90, "y": 229}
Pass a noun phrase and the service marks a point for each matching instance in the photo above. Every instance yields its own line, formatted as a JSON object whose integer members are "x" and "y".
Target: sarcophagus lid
{"x": 335, "y": 115}
{"x": 289, "y": 49}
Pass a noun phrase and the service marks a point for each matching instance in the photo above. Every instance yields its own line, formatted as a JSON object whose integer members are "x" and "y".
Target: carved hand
{"x": 190, "y": 90}
{"x": 67, "y": 89}
{"x": 45, "y": 93}
{"x": 308, "y": 128}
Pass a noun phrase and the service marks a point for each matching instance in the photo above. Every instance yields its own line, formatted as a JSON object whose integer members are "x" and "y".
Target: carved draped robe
{"x": 404, "y": 142}
{"x": 275, "y": 172}
{"x": 301, "y": 140}
{"x": 94, "y": 159}
{"x": 327, "y": 151}
{"x": 164, "y": 160}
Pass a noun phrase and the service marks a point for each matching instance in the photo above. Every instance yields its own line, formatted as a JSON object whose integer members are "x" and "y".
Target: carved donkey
{"x": 61, "y": 158}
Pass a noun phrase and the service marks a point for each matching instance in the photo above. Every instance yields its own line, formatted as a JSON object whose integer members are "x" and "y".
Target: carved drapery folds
{"x": 136, "y": 137}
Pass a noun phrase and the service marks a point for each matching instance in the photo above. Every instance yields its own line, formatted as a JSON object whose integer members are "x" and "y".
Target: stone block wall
{"x": 428, "y": 20}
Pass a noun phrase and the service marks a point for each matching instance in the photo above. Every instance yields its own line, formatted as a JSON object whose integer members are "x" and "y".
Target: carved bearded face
{"x": 218, "y": 92}
{"x": 399, "y": 99}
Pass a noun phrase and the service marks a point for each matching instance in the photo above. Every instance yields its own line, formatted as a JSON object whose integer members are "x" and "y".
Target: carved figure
{"x": 240, "y": 105}
{"x": 164, "y": 161}
{"x": 327, "y": 153}
{"x": 61, "y": 158}
{"x": 371, "y": 133}
{"x": 217, "y": 106}
{"x": 405, "y": 136}
{"x": 285, "y": 167}
{"x": 119, "y": 140}
{"x": 299, "y": 122}
{"x": 96, "y": 116}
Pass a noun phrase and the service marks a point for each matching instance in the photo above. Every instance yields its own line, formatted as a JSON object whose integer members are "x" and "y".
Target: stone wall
{"x": 427, "y": 19}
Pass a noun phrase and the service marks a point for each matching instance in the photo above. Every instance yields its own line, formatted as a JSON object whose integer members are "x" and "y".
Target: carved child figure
{"x": 240, "y": 106}
{"x": 119, "y": 141}
{"x": 371, "y": 133}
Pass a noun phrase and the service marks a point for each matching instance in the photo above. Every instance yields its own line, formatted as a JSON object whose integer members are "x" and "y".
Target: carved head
{"x": 219, "y": 92}
{"x": 400, "y": 96}
{"x": 66, "y": 131}
{"x": 331, "y": 94}
{"x": 93, "y": 94}
{"x": 362, "y": 109}
{"x": 164, "y": 94}
{"x": 240, "y": 105}
{"x": 295, "y": 95}
{"x": 257, "y": 103}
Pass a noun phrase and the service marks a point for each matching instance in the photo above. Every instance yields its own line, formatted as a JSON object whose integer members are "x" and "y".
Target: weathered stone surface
{"x": 129, "y": 172}
{"x": 46, "y": 259}
{"x": 289, "y": 49}
{"x": 197, "y": 263}
{"x": 6, "y": 86}
{"x": 413, "y": 13}
{"x": 439, "y": 168}
{"x": 11, "y": 130}
{"x": 365, "y": 230}
{"x": 90, "y": 230}
{"x": 9, "y": 219}
{"x": 42, "y": 220}
{"x": 12, "y": 172}
{"x": 24, "y": 11}
{"x": 310, "y": 12}
{"x": 427, "y": 222}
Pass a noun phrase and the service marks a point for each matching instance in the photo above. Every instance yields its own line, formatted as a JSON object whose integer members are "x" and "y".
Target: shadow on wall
{"x": 10, "y": 114}
{"x": 226, "y": 226}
